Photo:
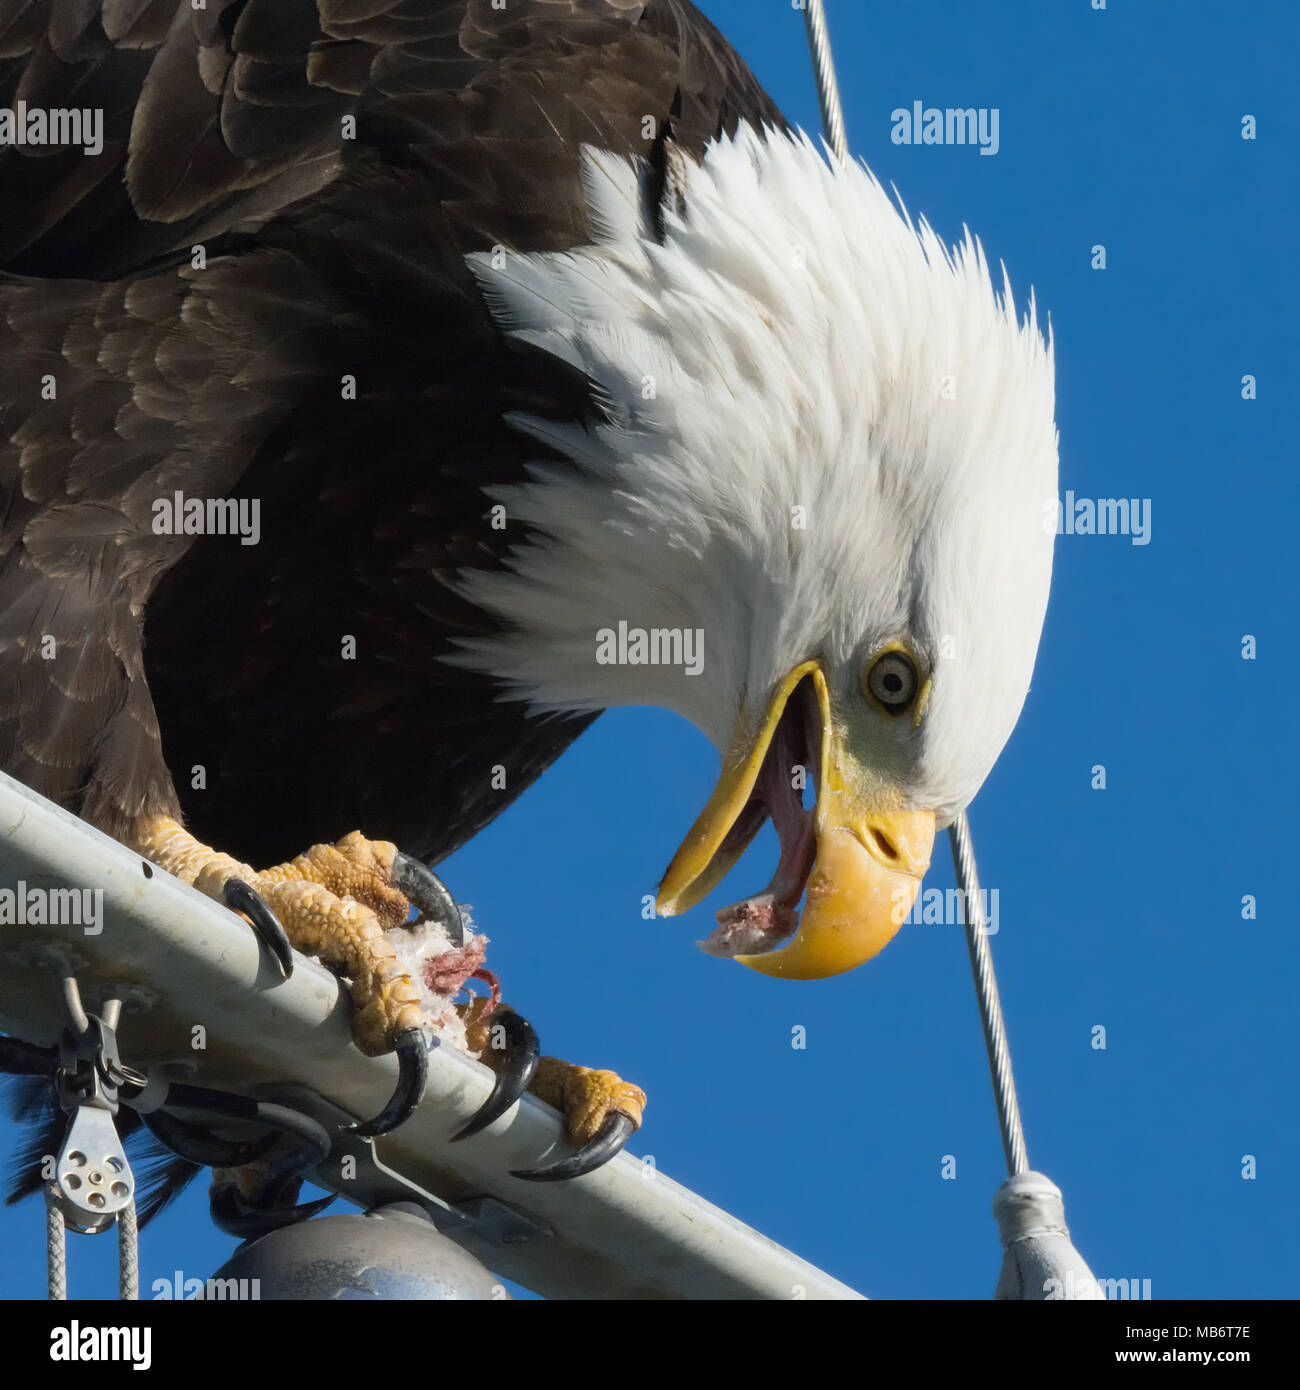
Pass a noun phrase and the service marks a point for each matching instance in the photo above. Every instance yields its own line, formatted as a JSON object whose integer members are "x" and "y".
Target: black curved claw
{"x": 234, "y": 1216}
{"x": 412, "y": 1072}
{"x": 239, "y": 897}
{"x": 276, "y": 1177}
{"x": 429, "y": 893}
{"x": 609, "y": 1140}
{"x": 522, "y": 1052}
{"x": 198, "y": 1145}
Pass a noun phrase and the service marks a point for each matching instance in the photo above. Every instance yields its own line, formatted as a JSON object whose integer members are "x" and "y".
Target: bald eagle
{"x": 563, "y": 375}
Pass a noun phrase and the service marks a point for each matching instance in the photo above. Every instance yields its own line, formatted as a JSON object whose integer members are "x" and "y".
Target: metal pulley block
{"x": 93, "y": 1182}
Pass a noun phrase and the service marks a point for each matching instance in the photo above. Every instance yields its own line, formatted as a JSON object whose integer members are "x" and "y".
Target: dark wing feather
{"x": 331, "y": 251}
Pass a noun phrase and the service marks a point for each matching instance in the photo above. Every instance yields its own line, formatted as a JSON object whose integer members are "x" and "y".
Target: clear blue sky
{"x": 1119, "y": 908}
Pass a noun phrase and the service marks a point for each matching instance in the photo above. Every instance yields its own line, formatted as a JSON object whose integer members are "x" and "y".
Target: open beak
{"x": 859, "y": 858}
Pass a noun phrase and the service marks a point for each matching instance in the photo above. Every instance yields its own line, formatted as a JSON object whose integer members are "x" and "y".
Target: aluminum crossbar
{"x": 180, "y": 961}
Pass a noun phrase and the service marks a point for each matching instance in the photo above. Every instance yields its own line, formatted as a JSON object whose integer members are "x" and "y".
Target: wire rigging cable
{"x": 828, "y": 87}
{"x": 986, "y": 988}
{"x": 963, "y": 852}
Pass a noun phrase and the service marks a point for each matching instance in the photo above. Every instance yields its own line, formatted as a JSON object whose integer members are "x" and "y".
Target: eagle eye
{"x": 892, "y": 681}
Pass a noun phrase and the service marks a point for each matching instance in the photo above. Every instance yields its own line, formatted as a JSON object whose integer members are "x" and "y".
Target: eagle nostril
{"x": 883, "y": 843}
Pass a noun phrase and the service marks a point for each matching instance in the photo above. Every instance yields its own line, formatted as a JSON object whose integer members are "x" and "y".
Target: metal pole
{"x": 626, "y": 1232}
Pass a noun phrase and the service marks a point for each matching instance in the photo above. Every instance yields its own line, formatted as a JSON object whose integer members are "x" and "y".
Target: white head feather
{"x": 794, "y": 341}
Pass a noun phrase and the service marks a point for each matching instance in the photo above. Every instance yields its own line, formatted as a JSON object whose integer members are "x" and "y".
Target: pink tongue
{"x": 765, "y": 920}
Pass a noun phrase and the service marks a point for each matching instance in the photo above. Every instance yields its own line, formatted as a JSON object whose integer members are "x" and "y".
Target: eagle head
{"x": 812, "y": 511}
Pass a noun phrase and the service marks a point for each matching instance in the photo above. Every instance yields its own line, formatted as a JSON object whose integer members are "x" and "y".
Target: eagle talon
{"x": 236, "y": 1217}
{"x": 261, "y": 1203}
{"x": 609, "y": 1141}
{"x": 412, "y": 1051}
{"x": 423, "y": 888}
{"x": 239, "y": 897}
{"x": 517, "y": 1068}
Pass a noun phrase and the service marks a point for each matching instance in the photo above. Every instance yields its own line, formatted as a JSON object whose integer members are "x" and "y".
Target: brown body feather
{"x": 330, "y": 252}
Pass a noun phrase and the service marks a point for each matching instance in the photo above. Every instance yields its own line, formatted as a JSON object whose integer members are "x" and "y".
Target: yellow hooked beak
{"x": 870, "y": 855}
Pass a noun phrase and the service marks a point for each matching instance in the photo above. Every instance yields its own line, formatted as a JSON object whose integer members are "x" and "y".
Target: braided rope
{"x": 56, "y": 1251}
{"x": 128, "y": 1254}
